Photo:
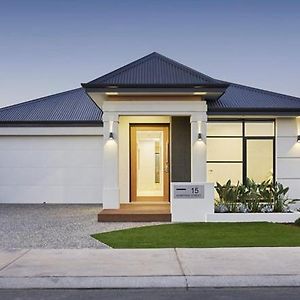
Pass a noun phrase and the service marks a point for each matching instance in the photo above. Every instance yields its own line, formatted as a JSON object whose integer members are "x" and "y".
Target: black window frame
{"x": 244, "y": 142}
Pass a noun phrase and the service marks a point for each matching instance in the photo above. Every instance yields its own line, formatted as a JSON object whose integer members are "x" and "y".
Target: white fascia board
{"x": 23, "y": 131}
{"x": 154, "y": 107}
{"x": 98, "y": 98}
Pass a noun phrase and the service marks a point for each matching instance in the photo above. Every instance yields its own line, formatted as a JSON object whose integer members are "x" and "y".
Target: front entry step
{"x": 137, "y": 213}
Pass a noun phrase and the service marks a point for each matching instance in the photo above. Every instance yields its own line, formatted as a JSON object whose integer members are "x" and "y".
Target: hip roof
{"x": 75, "y": 106}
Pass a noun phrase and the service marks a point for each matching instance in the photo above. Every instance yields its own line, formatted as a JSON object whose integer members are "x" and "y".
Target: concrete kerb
{"x": 148, "y": 282}
{"x": 243, "y": 281}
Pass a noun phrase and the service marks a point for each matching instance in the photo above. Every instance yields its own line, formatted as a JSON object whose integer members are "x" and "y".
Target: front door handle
{"x": 167, "y": 165}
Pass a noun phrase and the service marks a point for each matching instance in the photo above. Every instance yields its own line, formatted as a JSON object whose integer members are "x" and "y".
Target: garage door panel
{"x": 53, "y": 169}
{"x": 48, "y": 158}
{"x": 50, "y": 176}
{"x": 50, "y": 143}
{"x": 53, "y": 194}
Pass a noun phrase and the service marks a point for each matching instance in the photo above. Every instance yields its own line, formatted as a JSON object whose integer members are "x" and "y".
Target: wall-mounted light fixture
{"x": 111, "y": 133}
{"x": 298, "y": 128}
{"x": 199, "y": 136}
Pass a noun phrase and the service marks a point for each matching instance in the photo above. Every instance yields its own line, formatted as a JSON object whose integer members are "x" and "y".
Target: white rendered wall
{"x": 192, "y": 210}
{"x": 253, "y": 217}
{"x": 288, "y": 155}
{"x": 52, "y": 165}
{"x": 198, "y": 148}
{"x": 140, "y": 109}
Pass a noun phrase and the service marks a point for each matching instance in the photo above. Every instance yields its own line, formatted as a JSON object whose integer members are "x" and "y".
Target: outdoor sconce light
{"x": 111, "y": 133}
{"x": 199, "y": 131}
{"x": 298, "y": 138}
{"x": 199, "y": 136}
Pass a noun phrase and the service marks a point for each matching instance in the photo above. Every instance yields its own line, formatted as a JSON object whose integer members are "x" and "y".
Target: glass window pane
{"x": 224, "y": 149}
{"x": 260, "y": 160}
{"x": 224, "y": 129}
{"x": 222, "y": 172}
{"x": 149, "y": 163}
{"x": 259, "y": 128}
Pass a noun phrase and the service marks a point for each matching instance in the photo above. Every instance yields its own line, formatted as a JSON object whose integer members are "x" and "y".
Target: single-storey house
{"x": 124, "y": 137}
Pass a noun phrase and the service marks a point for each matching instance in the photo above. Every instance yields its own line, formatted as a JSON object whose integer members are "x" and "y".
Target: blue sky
{"x": 52, "y": 46}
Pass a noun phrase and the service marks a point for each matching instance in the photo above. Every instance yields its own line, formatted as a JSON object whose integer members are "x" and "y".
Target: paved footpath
{"x": 147, "y": 268}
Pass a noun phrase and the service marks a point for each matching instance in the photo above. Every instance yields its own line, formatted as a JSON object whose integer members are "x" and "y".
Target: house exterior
{"x": 125, "y": 137}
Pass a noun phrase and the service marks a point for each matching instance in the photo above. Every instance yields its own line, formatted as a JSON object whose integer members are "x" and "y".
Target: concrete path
{"x": 146, "y": 268}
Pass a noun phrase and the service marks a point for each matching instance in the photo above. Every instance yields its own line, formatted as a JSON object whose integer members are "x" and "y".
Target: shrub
{"x": 279, "y": 197}
{"x": 252, "y": 197}
{"x": 228, "y": 197}
{"x": 297, "y": 222}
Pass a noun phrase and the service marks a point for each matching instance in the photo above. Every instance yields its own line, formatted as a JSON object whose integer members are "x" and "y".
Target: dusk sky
{"x": 52, "y": 46}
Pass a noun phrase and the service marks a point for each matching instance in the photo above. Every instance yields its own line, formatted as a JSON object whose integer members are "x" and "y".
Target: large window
{"x": 239, "y": 149}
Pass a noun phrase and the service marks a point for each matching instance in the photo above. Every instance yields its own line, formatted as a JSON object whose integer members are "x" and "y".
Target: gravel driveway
{"x": 53, "y": 226}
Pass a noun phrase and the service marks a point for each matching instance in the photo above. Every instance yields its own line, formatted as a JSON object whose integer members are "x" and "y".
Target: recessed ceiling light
{"x": 199, "y": 93}
{"x": 111, "y": 93}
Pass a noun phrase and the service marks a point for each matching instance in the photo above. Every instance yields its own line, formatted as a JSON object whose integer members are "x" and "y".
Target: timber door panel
{"x": 149, "y": 162}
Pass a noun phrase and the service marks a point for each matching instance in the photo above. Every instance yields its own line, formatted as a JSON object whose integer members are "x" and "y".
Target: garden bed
{"x": 265, "y": 201}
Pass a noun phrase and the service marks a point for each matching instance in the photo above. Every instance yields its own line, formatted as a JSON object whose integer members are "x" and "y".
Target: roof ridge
{"x": 145, "y": 58}
{"x": 37, "y": 99}
{"x": 123, "y": 68}
{"x": 185, "y": 68}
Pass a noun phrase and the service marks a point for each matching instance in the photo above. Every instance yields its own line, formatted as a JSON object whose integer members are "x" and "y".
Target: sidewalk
{"x": 146, "y": 268}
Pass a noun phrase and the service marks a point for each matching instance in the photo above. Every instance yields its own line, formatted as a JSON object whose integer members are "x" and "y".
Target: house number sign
{"x": 189, "y": 191}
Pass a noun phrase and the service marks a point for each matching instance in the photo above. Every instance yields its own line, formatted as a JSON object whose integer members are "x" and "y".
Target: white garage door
{"x": 51, "y": 169}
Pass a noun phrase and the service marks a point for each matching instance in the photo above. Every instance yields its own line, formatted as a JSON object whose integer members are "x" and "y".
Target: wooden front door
{"x": 149, "y": 162}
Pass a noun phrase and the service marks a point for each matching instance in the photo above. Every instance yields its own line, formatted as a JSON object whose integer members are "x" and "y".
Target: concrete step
{"x": 146, "y": 206}
{"x": 129, "y": 215}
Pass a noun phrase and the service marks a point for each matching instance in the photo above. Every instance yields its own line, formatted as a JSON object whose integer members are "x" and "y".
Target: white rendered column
{"x": 198, "y": 147}
{"x": 111, "y": 191}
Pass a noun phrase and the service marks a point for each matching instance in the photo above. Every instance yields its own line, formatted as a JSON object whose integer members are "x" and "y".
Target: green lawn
{"x": 203, "y": 235}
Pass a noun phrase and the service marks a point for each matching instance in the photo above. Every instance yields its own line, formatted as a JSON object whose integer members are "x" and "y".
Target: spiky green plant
{"x": 255, "y": 197}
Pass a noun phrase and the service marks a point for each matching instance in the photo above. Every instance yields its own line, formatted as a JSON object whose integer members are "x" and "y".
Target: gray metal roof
{"x": 73, "y": 106}
{"x": 239, "y": 99}
{"x": 153, "y": 69}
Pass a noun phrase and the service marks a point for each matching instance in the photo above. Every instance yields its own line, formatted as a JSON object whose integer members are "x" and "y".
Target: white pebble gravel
{"x": 53, "y": 226}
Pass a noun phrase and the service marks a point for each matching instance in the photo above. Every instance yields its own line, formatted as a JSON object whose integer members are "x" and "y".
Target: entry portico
{"x": 119, "y": 115}
{"x": 140, "y": 110}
